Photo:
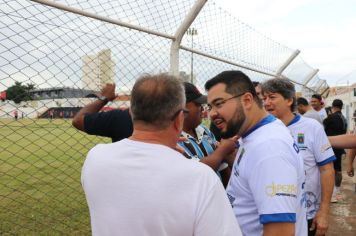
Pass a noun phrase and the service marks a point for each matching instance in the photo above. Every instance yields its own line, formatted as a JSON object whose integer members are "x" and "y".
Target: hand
{"x": 320, "y": 222}
{"x": 109, "y": 91}
{"x": 350, "y": 171}
{"x": 179, "y": 148}
{"x": 228, "y": 145}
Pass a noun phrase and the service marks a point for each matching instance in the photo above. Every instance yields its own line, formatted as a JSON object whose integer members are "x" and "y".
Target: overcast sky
{"x": 323, "y": 30}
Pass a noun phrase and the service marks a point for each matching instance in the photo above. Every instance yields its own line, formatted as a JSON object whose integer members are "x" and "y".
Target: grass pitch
{"x": 40, "y": 189}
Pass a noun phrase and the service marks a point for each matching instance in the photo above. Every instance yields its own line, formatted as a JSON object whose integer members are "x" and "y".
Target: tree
{"x": 19, "y": 92}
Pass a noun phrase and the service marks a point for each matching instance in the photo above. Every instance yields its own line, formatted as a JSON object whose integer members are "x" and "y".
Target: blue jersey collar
{"x": 295, "y": 119}
{"x": 268, "y": 119}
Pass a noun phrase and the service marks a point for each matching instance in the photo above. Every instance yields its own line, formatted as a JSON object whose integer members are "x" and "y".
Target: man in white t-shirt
{"x": 142, "y": 186}
{"x": 314, "y": 146}
{"x": 317, "y": 103}
{"x": 267, "y": 180}
{"x": 305, "y": 109}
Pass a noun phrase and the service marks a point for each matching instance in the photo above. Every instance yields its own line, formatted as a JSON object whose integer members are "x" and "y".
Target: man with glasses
{"x": 266, "y": 184}
{"x": 200, "y": 143}
{"x": 142, "y": 186}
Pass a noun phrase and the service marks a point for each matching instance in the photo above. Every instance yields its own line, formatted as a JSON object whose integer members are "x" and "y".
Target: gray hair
{"x": 282, "y": 86}
{"x": 155, "y": 99}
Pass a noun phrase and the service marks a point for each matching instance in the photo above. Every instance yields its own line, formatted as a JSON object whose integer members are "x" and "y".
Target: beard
{"x": 233, "y": 126}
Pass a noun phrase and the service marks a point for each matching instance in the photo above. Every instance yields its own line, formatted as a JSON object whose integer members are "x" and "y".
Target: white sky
{"x": 323, "y": 30}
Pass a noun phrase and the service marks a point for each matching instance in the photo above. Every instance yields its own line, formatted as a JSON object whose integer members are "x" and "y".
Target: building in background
{"x": 58, "y": 93}
{"x": 97, "y": 70}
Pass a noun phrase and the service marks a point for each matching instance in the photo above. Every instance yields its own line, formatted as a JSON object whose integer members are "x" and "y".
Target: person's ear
{"x": 290, "y": 101}
{"x": 178, "y": 121}
{"x": 247, "y": 100}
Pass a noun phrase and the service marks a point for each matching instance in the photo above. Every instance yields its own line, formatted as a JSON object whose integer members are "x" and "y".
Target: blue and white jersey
{"x": 267, "y": 180}
{"x": 316, "y": 151}
{"x": 200, "y": 147}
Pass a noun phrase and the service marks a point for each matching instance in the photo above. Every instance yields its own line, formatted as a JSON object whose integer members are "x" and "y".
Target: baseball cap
{"x": 337, "y": 103}
{"x": 192, "y": 94}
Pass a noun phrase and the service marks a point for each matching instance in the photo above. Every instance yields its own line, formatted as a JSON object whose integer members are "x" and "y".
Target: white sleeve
{"x": 215, "y": 215}
{"x": 321, "y": 147}
{"x": 275, "y": 188}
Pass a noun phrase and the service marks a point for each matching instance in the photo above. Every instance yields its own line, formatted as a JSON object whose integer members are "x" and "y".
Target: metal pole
{"x": 101, "y": 18}
{"x": 182, "y": 29}
{"x": 310, "y": 76}
{"x": 287, "y": 63}
{"x": 191, "y": 60}
{"x": 192, "y": 32}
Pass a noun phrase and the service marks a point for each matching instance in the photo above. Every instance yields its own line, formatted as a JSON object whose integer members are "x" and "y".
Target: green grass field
{"x": 40, "y": 189}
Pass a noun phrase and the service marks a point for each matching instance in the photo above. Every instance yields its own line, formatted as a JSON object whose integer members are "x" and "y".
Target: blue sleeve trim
{"x": 326, "y": 161}
{"x": 278, "y": 217}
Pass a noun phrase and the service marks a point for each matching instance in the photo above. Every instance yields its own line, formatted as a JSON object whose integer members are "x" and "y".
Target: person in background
{"x": 267, "y": 157}
{"x": 335, "y": 124}
{"x": 115, "y": 124}
{"x": 280, "y": 100}
{"x": 350, "y": 157}
{"x": 317, "y": 103}
{"x": 306, "y": 110}
{"x": 258, "y": 89}
{"x": 16, "y": 114}
{"x": 140, "y": 185}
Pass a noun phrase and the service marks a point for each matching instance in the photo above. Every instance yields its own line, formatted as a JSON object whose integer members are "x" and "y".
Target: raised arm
{"x": 108, "y": 92}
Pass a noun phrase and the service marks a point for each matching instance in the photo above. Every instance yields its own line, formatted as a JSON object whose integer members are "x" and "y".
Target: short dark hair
{"x": 236, "y": 83}
{"x": 156, "y": 98}
{"x": 337, "y": 103}
{"x": 282, "y": 86}
{"x": 255, "y": 83}
{"x": 302, "y": 101}
{"x": 317, "y": 96}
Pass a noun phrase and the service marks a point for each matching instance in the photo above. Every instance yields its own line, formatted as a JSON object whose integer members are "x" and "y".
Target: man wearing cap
{"x": 200, "y": 143}
{"x": 335, "y": 124}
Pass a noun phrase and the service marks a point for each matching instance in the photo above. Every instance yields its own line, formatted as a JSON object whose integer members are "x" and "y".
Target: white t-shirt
{"x": 314, "y": 115}
{"x": 136, "y": 188}
{"x": 316, "y": 151}
{"x": 323, "y": 113}
{"x": 266, "y": 184}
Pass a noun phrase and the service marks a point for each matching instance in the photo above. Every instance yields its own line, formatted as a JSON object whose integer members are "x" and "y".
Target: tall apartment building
{"x": 97, "y": 70}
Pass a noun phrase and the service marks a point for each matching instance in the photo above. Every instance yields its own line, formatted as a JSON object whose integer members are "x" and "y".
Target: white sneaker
{"x": 333, "y": 199}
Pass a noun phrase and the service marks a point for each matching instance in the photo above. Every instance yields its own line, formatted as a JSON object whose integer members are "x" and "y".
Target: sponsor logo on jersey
{"x": 286, "y": 190}
{"x": 325, "y": 147}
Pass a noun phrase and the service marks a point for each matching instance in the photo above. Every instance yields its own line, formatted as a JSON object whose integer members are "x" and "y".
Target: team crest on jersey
{"x": 301, "y": 140}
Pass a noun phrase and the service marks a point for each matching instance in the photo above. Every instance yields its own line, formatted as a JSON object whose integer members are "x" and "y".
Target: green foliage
{"x": 19, "y": 92}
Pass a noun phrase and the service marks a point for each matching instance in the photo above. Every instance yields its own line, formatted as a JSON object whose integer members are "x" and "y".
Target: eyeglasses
{"x": 185, "y": 113}
{"x": 220, "y": 102}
